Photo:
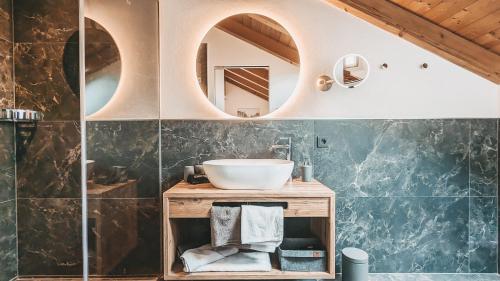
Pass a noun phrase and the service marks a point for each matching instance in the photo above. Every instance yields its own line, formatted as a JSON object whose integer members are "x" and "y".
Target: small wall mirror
{"x": 248, "y": 65}
{"x": 351, "y": 70}
{"x": 102, "y": 66}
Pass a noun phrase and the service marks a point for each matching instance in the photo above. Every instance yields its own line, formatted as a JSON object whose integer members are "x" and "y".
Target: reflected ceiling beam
{"x": 426, "y": 34}
{"x": 247, "y": 81}
{"x": 259, "y": 40}
{"x": 261, "y": 72}
{"x": 349, "y": 78}
{"x": 257, "y": 80}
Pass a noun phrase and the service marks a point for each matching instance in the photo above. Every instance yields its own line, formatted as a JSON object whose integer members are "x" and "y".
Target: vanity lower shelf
{"x": 275, "y": 273}
{"x": 186, "y": 205}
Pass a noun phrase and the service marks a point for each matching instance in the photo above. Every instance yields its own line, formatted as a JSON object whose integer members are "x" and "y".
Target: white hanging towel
{"x": 261, "y": 227}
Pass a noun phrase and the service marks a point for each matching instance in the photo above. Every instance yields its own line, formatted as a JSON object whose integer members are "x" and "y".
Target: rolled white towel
{"x": 206, "y": 254}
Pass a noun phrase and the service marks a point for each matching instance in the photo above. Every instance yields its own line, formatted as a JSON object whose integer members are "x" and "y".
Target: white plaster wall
{"x": 226, "y": 50}
{"x": 133, "y": 24}
{"x": 323, "y": 34}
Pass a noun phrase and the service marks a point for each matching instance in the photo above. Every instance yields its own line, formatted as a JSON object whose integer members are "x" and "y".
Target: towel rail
{"x": 239, "y": 204}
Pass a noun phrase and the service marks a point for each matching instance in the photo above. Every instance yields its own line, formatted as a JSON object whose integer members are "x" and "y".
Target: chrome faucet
{"x": 287, "y": 146}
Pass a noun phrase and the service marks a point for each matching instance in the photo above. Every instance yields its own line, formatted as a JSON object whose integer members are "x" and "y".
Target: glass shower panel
{"x": 122, "y": 138}
{"x": 121, "y": 59}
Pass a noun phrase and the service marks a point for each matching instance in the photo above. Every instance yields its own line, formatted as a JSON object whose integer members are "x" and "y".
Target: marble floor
{"x": 91, "y": 279}
{"x": 432, "y": 277}
{"x": 372, "y": 277}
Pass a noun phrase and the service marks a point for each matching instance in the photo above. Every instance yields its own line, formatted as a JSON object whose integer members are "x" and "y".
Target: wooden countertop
{"x": 295, "y": 189}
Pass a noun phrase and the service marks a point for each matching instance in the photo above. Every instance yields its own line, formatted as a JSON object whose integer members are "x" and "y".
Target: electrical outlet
{"x": 322, "y": 142}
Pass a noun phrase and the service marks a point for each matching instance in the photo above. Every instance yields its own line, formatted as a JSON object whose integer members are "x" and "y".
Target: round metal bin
{"x": 354, "y": 265}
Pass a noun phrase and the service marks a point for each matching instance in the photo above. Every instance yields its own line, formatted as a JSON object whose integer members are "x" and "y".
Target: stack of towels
{"x": 254, "y": 229}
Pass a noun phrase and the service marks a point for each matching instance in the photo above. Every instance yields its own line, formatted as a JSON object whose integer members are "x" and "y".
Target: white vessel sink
{"x": 248, "y": 173}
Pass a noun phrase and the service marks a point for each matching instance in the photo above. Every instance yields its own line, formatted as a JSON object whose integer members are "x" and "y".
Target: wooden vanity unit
{"x": 300, "y": 199}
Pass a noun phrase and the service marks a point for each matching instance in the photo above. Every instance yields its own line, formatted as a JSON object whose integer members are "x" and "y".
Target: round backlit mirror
{"x": 102, "y": 66}
{"x": 247, "y": 65}
{"x": 351, "y": 70}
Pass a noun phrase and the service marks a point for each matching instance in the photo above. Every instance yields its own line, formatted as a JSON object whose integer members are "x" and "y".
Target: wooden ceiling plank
{"x": 422, "y": 6}
{"x": 259, "y": 40}
{"x": 428, "y": 35}
{"x": 496, "y": 49}
{"x": 285, "y": 39}
{"x": 492, "y": 45}
{"x": 446, "y": 9}
{"x": 471, "y": 14}
{"x": 482, "y": 26}
{"x": 488, "y": 38}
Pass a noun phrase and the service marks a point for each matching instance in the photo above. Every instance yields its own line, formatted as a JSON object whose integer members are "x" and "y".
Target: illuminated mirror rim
{"x": 206, "y": 98}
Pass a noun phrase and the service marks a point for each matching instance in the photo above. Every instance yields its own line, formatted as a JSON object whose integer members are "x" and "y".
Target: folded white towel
{"x": 269, "y": 247}
{"x": 206, "y": 254}
{"x": 240, "y": 262}
{"x": 261, "y": 227}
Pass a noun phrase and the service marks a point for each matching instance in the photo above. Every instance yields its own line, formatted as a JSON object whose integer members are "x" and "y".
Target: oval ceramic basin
{"x": 248, "y": 173}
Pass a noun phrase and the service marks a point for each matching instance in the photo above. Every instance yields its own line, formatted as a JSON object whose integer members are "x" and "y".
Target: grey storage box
{"x": 354, "y": 265}
{"x": 302, "y": 254}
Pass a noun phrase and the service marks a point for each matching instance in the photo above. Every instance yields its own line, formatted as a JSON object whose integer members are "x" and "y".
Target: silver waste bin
{"x": 354, "y": 265}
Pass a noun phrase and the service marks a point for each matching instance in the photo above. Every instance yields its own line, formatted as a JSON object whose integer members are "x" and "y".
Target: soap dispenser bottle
{"x": 306, "y": 171}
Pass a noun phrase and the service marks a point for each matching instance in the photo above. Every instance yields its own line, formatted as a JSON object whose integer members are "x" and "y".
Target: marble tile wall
{"x": 6, "y": 55}
{"x": 418, "y": 195}
{"x": 135, "y": 145}
{"x": 192, "y": 142}
{"x": 8, "y": 229}
{"x": 8, "y": 225}
{"x": 50, "y": 240}
{"x": 48, "y": 153}
{"x": 48, "y": 196}
{"x": 44, "y": 36}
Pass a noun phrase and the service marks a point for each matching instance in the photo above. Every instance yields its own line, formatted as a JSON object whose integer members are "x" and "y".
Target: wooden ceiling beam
{"x": 247, "y": 82}
{"x": 259, "y": 40}
{"x": 259, "y": 71}
{"x": 426, "y": 34}
{"x": 261, "y": 82}
{"x": 244, "y": 87}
